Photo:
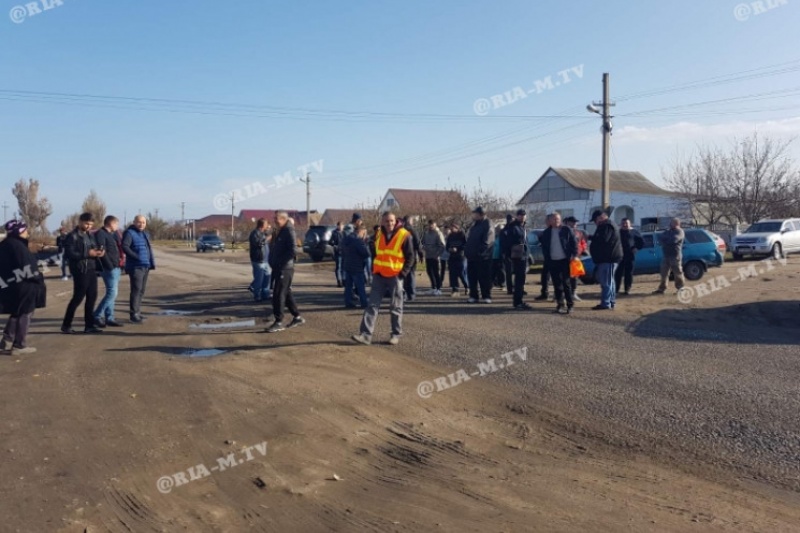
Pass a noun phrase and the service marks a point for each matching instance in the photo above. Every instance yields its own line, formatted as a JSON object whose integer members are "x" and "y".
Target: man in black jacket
{"x": 479, "y": 248}
{"x": 606, "y": 250}
{"x": 281, "y": 258}
{"x": 410, "y": 281}
{"x": 508, "y": 265}
{"x": 60, "y": 241}
{"x": 516, "y": 250}
{"x": 632, "y": 242}
{"x": 455, "y": 243}
{"x": 82, "y": 252}
{"x": 22, "y": 288}
{"x": 109, "y": 239}
{"x": 559, "y": 247}
{"x": 259, "y": 260}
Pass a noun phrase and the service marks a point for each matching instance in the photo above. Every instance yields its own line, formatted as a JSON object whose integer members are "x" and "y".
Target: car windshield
{"x": 765, "y": 227}
{"x": 211, "y": 238}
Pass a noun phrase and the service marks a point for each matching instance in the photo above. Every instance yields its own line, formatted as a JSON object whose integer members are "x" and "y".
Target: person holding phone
{"x": 82, "y": 253}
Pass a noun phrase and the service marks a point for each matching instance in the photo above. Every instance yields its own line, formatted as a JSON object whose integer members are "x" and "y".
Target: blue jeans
{"x": 368, "y": 269}
{"x": 105, "y": 311}
{"x": 604, "y": 273}
{"x": 357, "y": 279}
{"x": 261, "y": 281}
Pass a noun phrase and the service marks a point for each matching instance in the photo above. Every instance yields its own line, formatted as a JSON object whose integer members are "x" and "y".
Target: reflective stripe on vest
{"x": 389, "y": 258}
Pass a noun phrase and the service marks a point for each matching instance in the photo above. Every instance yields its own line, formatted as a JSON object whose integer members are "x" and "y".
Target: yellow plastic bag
{"x": 576, "y": 269}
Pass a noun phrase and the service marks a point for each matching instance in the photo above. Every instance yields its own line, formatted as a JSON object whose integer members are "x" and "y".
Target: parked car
{"x": 701, "y": 249}
{"x": 317, "y": 243}
{"x": 535, "y": 255}
{"x": 210, "y": 242}
{"x": 775, "y": 238}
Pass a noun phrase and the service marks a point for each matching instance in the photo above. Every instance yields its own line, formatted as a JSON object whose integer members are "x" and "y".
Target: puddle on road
{"x": 207, "y": 352}
{"x": 175, "y": 312}
{"x": 225, "y": 325}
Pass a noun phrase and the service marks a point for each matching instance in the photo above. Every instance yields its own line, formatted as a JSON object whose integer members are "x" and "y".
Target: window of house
{"x": 390, "y": 202}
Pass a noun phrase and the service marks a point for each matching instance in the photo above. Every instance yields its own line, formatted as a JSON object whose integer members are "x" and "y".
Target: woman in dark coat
{"x": 22, "y": 287}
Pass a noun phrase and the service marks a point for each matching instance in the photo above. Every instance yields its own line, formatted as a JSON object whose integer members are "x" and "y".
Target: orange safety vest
{"x": 389, "y": 257}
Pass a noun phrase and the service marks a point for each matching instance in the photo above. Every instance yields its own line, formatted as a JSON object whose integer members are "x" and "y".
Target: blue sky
{"x": 415, "y": 68}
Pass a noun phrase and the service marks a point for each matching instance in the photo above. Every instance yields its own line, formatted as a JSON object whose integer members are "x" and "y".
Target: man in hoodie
{"x": 478, "y": 250}
{"x": 433, "y": 247}
{"x": 455, "y": 243}
{"x": 355, "y": 254}
{"x": 606, "y": 250}
{"x": 394, "y": 260}
{"x": 560, "y": 247}
{"x": 139, "y": 261}
{"x": 82, "y": 252}
{"x": 410, "y": 281}
{"x": 632, "y": 242}
{"x": 108, "y": 239}
{"x": 282, "y": 257}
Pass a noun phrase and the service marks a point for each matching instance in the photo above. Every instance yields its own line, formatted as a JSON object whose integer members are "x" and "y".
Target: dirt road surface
{"x": 660, "y": 416}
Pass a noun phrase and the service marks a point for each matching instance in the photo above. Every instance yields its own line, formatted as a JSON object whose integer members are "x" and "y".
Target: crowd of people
{"x": 480, "y": 259}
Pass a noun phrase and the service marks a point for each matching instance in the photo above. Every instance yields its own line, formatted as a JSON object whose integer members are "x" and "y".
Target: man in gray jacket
{"x": 433, "y": 246}
{"x": 671, "y": 242}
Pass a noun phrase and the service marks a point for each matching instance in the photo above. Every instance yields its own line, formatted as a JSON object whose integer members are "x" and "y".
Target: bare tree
{"x": 32, "y": 209}
{"x": 94, "y": 205}
{"x": 754, "y": 180}
{"x": 157, "y": 226}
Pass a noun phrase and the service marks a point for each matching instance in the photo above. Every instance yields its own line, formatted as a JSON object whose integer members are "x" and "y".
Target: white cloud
{"x": 682, "y": 132}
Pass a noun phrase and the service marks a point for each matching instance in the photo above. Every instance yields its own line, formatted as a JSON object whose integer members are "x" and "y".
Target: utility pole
{"x": 604, "y": 112}
{"x": 125, "y": 218}
{"x": 5, "y": 210}
{"x": 183, "y": 222}
{"x": 307, "y": 181}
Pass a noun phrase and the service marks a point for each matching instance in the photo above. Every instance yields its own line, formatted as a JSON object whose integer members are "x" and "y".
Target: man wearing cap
{"x": 606, "y": 250}
{"x": 22, "y": 288}
{"x": 394, "y": 260}
{"x": 82, "y": 252}
{"x": 478, "y": 250}
{"x": 517, "y": 252}
{"x": 580, "y": 238}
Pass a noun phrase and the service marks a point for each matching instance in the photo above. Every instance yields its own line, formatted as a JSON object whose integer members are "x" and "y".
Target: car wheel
{"x": 693, "y": 270}
{"x": 777, "y": 251}
{"x": 737, "y": 257}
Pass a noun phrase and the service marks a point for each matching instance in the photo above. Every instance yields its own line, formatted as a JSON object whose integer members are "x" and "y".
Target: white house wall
{"x": 643, "y": 205}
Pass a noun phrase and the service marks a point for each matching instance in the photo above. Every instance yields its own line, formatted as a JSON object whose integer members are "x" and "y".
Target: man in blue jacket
{"x": 281, "y": 259}
{"x": 138, "y": 263}
{"x": 259, "y": 260}
{"x": 355, "y": 254}
{"x": 478, "y": 250}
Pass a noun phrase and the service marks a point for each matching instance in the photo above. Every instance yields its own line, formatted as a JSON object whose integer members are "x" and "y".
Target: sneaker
{"x": 275, "y": 327}
{"x": 92, "y": 331}
{"x": 437, "y": 292}
{"x": 296, "y": 321}
{"x": 361, "y": 339}
{"x": 541, "y": 298}
{"x": 251, "y": 289}
{"x": 558, "y": 310}
{"x": 99, "y": 323}
{"x": 577, "y": 298}
{"x": 523, "y": 306}
{"x": 4, "y": 347}
{"x": 569, "y": 310}
{"x": 394, "y": 340}
{"x": 601, "y": 308}
{"x": 486, "y": 301}
{"x": 113, "y": 323}
{"x": 466, "y": 291}
{"x": 22, "y": 351}
{"x": 659, "y": 291}
{"x": 68, "y": 331}
{"x": 473, "y": 300}
{"x": 64, "y": 278}
{"x": 455, "y": 293}
{"x": 136, "y": 319}
{"x": 627, "y": 292}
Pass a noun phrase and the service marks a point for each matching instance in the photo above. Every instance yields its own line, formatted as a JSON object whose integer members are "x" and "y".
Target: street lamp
{"x": 605, "y": 129}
